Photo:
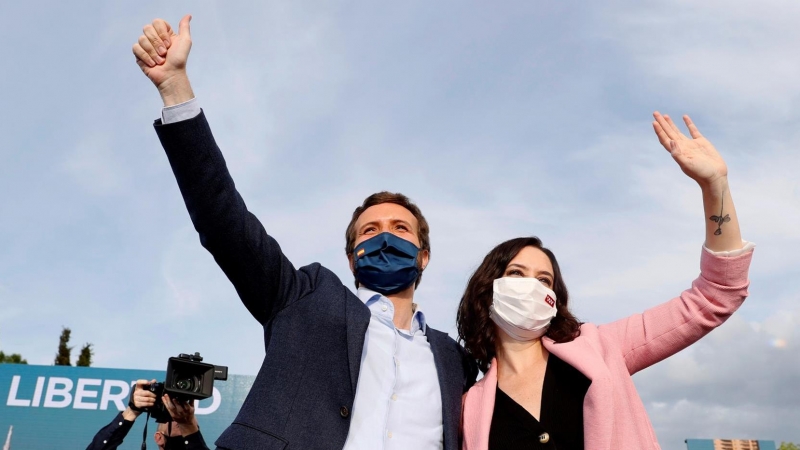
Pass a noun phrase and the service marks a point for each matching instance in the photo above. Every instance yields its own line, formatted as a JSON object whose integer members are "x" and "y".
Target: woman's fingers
{"x": 674, "y": 127}
{"x": 692, "y": 128}
{"x": 662, "y": 136}
{"x": 665, "y": 126}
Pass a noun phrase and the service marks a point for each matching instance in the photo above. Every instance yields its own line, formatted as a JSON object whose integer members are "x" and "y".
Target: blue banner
{"x": 59, "y": 407}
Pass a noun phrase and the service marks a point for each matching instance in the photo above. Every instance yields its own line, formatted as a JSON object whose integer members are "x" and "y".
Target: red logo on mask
{"x": 550, "y": 301}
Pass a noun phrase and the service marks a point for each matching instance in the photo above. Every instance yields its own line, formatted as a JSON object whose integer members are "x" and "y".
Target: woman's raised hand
{"x": 695, "y": 155}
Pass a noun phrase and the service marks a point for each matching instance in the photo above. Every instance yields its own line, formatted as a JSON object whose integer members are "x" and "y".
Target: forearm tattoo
{"x": 719, "y": 220}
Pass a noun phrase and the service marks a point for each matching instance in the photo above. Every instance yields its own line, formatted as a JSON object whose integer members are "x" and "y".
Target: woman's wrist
{"x": 714, "y": 188}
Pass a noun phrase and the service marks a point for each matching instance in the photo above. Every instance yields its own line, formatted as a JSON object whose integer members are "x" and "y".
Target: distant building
{"x": 729, "y": 444}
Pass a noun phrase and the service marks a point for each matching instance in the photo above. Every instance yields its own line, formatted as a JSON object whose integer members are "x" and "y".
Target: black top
{"x": 561, "y": 424}
{"x": 110, "y": 436}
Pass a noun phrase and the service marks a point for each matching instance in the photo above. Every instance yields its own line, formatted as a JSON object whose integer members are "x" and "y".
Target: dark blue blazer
{"x": 314, "y": 326}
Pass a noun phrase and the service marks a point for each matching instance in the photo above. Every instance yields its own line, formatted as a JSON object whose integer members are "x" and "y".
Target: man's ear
{"x": 352, "y": 263}
{"x": 160, "y": 441}
{"x": 424, "y": 258}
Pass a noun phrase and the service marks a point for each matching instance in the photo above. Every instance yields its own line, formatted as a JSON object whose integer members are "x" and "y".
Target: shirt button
{"x": 544, "y": 438}
{"x": 389, "y": 434}
{"x": 384, "y": 308}
{"x": 120, "y": 424}
{"x": 394, "y": 397}
{"x": 186, "y": 442}
{"x": 344, "y": 411}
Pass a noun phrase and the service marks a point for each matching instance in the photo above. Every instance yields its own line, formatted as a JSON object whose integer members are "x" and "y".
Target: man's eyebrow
{"x": 393, "y": 222}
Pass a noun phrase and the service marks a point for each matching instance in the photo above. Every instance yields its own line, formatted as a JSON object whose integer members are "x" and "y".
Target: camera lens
{"x": 187, "y": 384}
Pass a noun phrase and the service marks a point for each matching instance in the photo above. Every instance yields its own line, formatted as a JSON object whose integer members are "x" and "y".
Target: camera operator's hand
{"x": 142, "y": 398}
{"x": 182, "y": 413}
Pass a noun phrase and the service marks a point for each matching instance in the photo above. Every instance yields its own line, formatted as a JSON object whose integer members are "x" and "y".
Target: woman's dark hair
{"x": 477, "y": 330}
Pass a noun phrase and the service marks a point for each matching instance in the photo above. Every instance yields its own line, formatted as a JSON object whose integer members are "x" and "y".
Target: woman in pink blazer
{"x": 552, "y": 382}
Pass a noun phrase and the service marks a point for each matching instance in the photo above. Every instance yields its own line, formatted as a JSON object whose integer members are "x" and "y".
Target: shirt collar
{"x": 418, "y": 322}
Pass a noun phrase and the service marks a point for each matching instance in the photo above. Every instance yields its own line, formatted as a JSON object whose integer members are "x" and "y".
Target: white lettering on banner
{"x": 119, "y": 398}
{"x": 37, "y": 394}
{"x": 53, "y": 391}
{"x": 12, "y": 394}
{"x": 216, "y": 399}
{"x": 81, "y": 393}
{"x": 59, "y": 394}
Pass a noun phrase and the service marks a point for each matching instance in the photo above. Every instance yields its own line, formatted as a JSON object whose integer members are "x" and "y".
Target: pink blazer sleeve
{"x": 660, "y": 332}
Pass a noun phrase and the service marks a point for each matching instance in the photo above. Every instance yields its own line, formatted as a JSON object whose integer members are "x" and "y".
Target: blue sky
{"x": 527, "y": 118}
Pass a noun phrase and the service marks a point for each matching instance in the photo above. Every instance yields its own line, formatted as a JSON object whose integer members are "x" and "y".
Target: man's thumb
{"x": 183, "y": 27}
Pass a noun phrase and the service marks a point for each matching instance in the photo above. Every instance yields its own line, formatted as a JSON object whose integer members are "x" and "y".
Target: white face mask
{"x": 522, "y": 307}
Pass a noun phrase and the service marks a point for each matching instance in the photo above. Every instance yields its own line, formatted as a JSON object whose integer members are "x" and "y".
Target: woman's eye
{"x": 514, "y": 273}
{"x": 546, "y": 282}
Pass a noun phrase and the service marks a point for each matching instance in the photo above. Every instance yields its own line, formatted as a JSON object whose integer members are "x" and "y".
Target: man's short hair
{"x": 423, "y": 231}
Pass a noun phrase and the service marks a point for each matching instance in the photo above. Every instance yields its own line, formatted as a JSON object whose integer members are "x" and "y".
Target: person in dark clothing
{"x": 183, "y": 433}
{"x": 341, "y": 370}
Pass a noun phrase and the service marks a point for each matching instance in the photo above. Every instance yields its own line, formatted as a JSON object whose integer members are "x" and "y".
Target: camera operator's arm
{"x": 110, "y": 437}
{"x": 183, "y": 415}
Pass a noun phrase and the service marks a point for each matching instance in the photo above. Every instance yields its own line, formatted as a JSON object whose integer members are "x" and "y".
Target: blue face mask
{"x": 386, "y": 263}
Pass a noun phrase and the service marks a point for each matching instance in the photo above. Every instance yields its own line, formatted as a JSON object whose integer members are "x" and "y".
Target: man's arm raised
{"x": 263, "y": 277}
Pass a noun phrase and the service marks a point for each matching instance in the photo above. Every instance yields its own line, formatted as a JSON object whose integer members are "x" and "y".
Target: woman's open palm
{"x": 695, "y": 155}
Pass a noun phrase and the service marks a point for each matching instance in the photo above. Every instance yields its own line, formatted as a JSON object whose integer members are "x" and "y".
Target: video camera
{"x": 188, "y": 378}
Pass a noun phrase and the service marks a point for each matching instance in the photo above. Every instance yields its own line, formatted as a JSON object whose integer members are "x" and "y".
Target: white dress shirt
{"x": 398, "y": 403}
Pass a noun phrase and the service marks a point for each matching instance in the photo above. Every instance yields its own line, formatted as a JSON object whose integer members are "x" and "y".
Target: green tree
{"x": 12, "y": 358}
{"x": 85, "y": 358}
{"x": 64, "y": 350}
{"x": 788, "y": 446}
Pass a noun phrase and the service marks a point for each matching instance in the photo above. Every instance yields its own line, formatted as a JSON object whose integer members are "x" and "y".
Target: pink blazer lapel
{"x": 598, "y": 406}
{"x": 479, "y": 409}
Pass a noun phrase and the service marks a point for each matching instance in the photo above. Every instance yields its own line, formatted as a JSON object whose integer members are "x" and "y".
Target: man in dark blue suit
{"x": 342, "y": 371}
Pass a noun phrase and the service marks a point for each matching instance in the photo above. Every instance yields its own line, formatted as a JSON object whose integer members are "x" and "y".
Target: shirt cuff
{"x": 746, "y": 247}
{"x": 180, "y": 112}
{"x": 195, "y": 441}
